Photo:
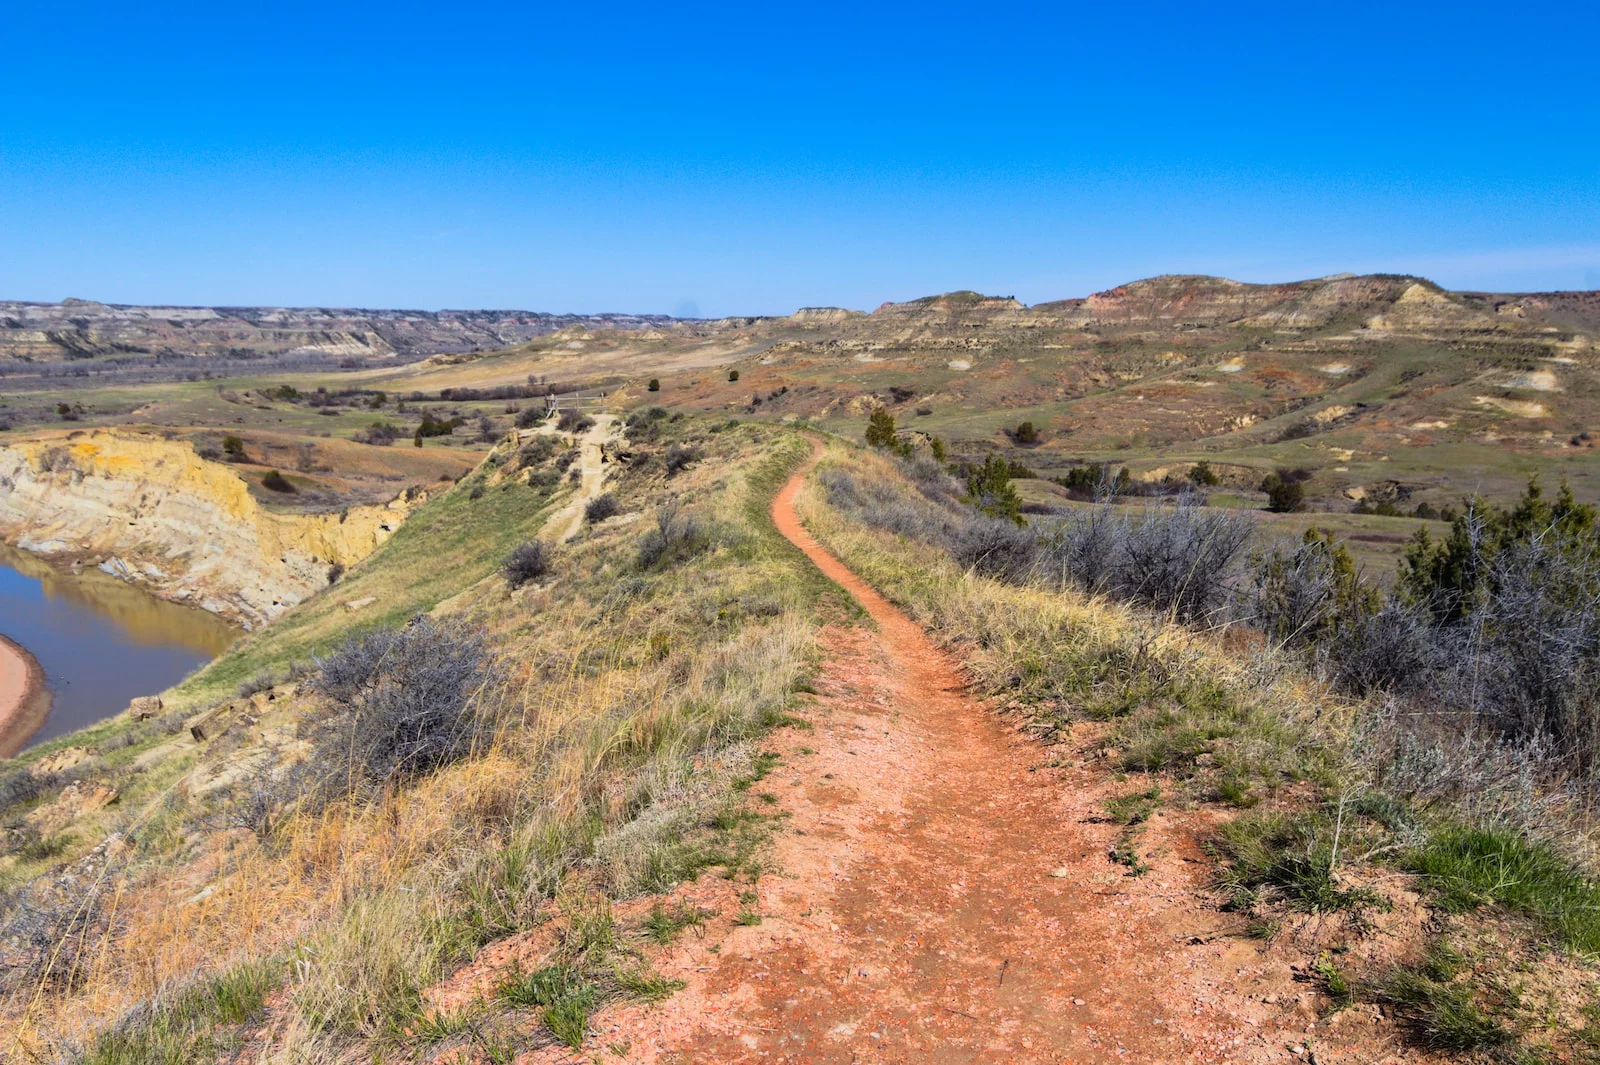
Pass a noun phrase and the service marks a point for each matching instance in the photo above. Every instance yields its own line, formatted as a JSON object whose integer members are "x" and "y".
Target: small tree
{"x": 1027, "y": 433}
{"x": 733, "y": 375}
{"x": 989, "y": 489}
{"x": 1285, "y": 495}
{"x": 654, "y": 385}
{"x": 1202, "y": 475}
{"x": 233, "y": 447}
{"x": 277, "y": 482}
{"x": 880, "y": 428}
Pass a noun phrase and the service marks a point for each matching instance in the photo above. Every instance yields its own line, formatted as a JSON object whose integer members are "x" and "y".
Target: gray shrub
{"x": 1181, "y": 559}
{"x": 996, "y": 548}
{"x": 1081, "y": 549}
{"x": 528, "y": 562}
{"x": 885, "y": 505}
{"x": 1291, "y": 592}
{"x": 1533, "y": 643}
{"x": 677, "y": 536}
{"x": 50, "y": 929}
{"x": 1393, "y": 650}
{"x": 407, "y": 696}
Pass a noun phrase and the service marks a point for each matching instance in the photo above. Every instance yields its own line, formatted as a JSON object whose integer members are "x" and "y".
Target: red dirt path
{"x": 938, "y": 900}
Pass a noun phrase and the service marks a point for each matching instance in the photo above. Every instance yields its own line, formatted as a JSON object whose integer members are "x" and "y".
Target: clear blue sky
{"x": 756, "y": 158}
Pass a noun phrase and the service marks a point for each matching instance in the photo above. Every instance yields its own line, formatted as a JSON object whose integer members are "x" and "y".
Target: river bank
{"x": 24, "y": 699}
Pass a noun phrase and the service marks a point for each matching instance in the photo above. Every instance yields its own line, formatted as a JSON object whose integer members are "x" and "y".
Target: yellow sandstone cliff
{"x": 151, "y": 511}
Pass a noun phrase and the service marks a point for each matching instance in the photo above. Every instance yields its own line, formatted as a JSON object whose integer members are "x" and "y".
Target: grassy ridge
{"x": 445, "y": 547}
{"x": 629, "y": 705}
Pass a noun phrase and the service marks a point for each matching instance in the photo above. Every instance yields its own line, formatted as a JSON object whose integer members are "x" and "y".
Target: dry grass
{"x": 1355, "y": 806}
{"x": 629, "y": 705}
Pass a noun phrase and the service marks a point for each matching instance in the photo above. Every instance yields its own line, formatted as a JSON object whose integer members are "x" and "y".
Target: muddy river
{"x": 100, "y": 642}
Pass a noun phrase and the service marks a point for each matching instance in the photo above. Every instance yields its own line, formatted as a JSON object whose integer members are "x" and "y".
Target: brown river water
{"x": 100, "y": 642}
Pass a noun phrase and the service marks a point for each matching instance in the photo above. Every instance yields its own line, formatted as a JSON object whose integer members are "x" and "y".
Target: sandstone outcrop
{"x": 151, "y": 511}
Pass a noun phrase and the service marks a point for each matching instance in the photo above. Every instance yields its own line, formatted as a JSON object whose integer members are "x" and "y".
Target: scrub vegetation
{"x": 510, "y": 742}
{"x": 1353, "y": 746}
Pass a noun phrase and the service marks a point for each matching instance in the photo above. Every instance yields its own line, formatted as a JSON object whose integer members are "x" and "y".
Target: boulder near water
{"x": 144, "y": 707}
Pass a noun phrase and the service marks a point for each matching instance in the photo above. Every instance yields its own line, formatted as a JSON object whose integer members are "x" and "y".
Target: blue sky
{"x": 757, "y": 158}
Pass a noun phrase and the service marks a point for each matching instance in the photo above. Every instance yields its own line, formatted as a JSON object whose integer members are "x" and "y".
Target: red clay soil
{"x": 940, "y": 896}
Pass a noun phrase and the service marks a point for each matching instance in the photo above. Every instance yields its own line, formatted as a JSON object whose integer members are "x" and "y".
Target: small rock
{"x": 1059, "y": 874}
{"x": 1077, "y": 1002}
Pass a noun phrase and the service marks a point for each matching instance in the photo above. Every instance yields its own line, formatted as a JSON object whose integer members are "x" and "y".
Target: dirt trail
{"x": 568, "y": 521}
{"x": 935, "y": 900}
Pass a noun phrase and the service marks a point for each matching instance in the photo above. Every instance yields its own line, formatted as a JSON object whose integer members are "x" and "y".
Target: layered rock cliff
{"x": 84, "y": 329}
{"x": 151, "y": 511}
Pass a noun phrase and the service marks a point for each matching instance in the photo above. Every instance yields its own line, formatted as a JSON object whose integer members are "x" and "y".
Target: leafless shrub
{"x": 50, "y": 929}
{"x": 933, "y": 480}
{"x": 1534, "y": 644}
{"x": 996, "y": 548}
{"x": 530, "y": 561}
{"x": 1081, "y": 549}
{"x": 883, "y": 504}
{"x": 261, "y": 682}
{"x": 407, "y": 696}
{"x": 573, "y": 421}
{"x": 601, "y": 507}
{"x": 1292, "y": 591}
{"x": 265, "y": 799}
{"x": 677, "y": 536}
{"x": 678, "y": 458}
{"x": 1180, "y": 559}
{"x": 1392, "y": 650}
{"x": 24, "y": 785}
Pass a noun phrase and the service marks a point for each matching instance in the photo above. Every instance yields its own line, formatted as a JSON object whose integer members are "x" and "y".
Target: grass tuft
{"x": 1471, "y": 867}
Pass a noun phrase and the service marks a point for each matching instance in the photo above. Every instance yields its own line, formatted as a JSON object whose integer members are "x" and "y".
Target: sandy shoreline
{"x": 24, "y": 699}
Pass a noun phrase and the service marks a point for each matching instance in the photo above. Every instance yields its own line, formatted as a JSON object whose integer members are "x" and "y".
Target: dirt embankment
{"x": 24, "y": 699}
{"x": 152, "y": 512}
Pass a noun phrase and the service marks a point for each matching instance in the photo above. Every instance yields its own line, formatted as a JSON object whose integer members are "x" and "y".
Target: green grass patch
{"x": 200, "y": 1023}
{"x": 663, "y": 925}
{"x": 565, "y": 995}
{"x": 1470, "y": 867}
{"x": 1436, "y": 1003}
{"x": 1134, "y": 808}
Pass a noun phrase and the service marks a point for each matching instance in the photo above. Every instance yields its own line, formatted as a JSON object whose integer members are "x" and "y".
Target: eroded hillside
{"x": 151, "y": 511}
{"x": 1380, "y": 386}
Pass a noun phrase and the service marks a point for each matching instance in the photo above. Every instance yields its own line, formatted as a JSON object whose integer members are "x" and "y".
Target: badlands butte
{"x": 1383, "y": 387}
{"x": 600, "y": 697}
